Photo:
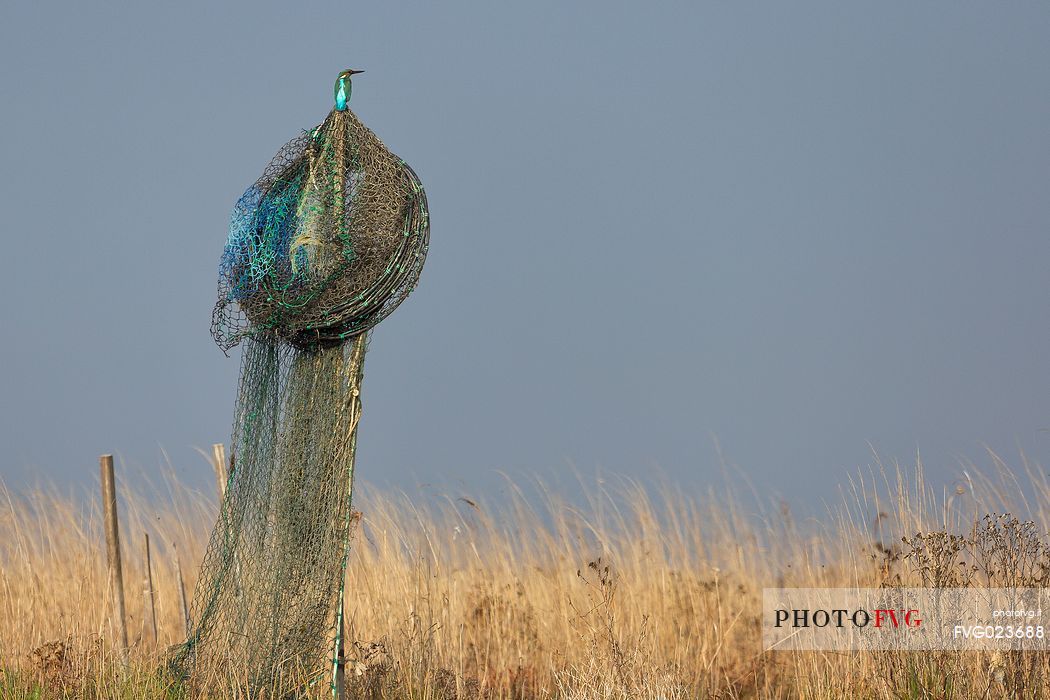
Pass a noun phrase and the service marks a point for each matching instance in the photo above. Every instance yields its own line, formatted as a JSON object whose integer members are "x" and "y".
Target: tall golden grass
{"x": 638, "y": 591}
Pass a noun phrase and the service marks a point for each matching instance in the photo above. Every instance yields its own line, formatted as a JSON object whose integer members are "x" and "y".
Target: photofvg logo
{"x": 878, "y": 619}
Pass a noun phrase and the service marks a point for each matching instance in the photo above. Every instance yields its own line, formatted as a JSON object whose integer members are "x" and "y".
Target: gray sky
{"x": 794, "y": 228}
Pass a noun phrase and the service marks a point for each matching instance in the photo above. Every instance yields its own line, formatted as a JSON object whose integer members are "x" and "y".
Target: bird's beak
{"x": 354, "y": 72}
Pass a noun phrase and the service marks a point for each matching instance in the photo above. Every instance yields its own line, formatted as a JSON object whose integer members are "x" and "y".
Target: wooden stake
{"x": 116, "y": 571}
{"x": 218, "y": 451}
{"x": 223, "y": 469}
{"x": 150, "y": 609}
{"x": 182, "y": 592}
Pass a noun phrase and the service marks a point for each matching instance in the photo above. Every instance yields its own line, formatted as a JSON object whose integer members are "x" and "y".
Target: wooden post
{"x": 150, "y": 609}
{"x": 116, "y": 571}
{"x": 182, "y": 592}
{"x": 218, "y": 451}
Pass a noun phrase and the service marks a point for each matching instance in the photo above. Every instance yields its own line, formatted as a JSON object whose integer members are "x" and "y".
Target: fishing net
{"x": 322, "y": 247}
{"x": 326, "y": 243}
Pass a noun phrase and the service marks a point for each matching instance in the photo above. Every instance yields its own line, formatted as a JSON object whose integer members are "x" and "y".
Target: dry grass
{"x": 637, "y": 593}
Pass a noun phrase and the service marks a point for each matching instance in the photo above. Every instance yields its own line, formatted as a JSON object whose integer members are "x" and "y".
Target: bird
{"x": 342, "y": 88}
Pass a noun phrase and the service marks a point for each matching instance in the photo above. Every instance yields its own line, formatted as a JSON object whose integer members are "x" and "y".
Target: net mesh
{"x": 322, "y": 247}
{"x": 326, "y": 243}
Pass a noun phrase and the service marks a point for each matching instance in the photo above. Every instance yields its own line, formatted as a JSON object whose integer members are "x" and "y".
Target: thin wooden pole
{"x": 218, "y": 451}
{"x": 182, "y": 592}
{"x": 116, "y": 571}
{"x": 223, "y": 470}
{"x": 147, "y": 594}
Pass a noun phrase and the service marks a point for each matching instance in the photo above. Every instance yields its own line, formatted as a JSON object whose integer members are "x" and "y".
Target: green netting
{"x": 326, "y": 243}
{"x": 322, "y": 247}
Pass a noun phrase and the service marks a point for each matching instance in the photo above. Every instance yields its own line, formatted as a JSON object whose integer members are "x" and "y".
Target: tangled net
{"x": 322, "y": 247}
{"x": 326, "y": 243}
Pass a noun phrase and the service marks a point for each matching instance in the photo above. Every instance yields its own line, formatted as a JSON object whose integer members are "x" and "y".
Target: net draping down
{"x": 322, "y": 247}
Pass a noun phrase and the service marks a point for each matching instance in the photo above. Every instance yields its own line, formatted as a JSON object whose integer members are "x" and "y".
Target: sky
{"x": 782, "y": 240}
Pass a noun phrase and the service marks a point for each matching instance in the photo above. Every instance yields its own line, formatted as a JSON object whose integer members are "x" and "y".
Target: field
{"x": 638, "y": 592}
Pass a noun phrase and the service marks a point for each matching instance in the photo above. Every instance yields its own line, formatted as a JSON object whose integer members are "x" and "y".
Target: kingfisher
{"x": 342, "y": 88}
